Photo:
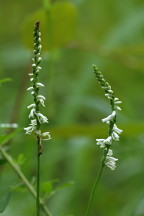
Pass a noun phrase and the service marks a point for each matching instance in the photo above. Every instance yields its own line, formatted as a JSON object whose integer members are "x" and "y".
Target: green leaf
{"x": 63, "y": 186}
{"x": 47, "y": 187}
{"x": 5, "y": 80}
{"x": 21, "y": 159}
{"x": 57, "y": 24}
{"x": 4, "y": 201}
{"x": 5, "y": 138}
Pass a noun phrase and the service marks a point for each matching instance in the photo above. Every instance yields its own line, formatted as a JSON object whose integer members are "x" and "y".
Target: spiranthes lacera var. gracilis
{"x": 37, "y": 118}
{"x": 114, "y": 131}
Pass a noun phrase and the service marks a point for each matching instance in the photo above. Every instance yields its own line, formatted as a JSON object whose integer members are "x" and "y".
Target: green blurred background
{"x": 76, "y": 34}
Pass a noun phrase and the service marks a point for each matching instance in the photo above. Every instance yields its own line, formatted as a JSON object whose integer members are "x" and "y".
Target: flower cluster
{"x": 114, "y": 131}
{"x": 37, "y": 117}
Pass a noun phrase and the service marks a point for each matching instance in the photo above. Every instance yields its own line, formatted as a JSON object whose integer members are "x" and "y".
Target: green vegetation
{"x": 75, "y": 34}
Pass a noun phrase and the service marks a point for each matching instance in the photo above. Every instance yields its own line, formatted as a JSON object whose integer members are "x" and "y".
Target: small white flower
{"x": 116, "y": 129}
{"x": 110, "y": 91}
{"x": 41, "y": 96}
{"x": 31, "y": 106}
{"x": 31, "y": 79}
{"x": 118, "y": 102}
{"x": 30, "y": 74}
{"x": 40, "y": 46}
{"x": 39, "y": 84}
{"x": 110, "y": 161}
{"x": 100, "y": 142}
{"x": 39, "y": 59}
{"x": 30, "y": 88}
{"x": 117, "y": 108}
{"x": 46, "y": 136}
{"x": 39, "y": 68}
{"x": 33, "y": 122}
{"x": 108, "y": 141}
{"x": 42, "y": 102}
{"x": 31, "y": 128}
{"x": 32, "y": 93}
{"x": 33, "y": 65}
{"x": 32, "y": 113}
{"x": 110, "y": 117}
{"x": 115, "y": 136}
{"x": 42, "y": 118}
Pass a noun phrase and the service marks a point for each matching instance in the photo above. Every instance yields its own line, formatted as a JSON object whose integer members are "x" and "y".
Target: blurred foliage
{"x": 76, "y": 34}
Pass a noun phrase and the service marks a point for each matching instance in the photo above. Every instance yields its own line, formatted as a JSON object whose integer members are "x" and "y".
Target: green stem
{"x": 93, "y": 190}
{"x": 17, "y": 169}
{"x": 38, "y": 179}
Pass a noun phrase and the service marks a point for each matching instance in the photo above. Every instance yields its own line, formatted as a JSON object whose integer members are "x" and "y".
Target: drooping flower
{"x": 110, "y": 161}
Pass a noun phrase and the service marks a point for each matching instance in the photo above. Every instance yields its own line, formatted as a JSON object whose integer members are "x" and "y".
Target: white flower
{"x": 32, "y": 93}
{"x": 117, "y": 102}
{"x": 32, "y": 113}
{"x": 42, "y": 102}
{"x": 116, "y": 129}
{"x": 110, "y": 161}
{"x": 108, "y": 96}
{"x": 30, "y": 74}
{"x": 46, "y": 136}
{"x": 41, "y": 96}
{"x": 108, "y": 141}
{"x": 39, "y": 67}
{"x": 31, "y": 79}
{"x": 115, "y": 136}
{"x": 103, "y": 142}
{"x": 117, "y": 108}
{"x": 33, "y": 65}
{"x": 30, "y": 88}
{"x": 110, "y": 91}
{"x": 110, "y": 117}
{"x": 31, "y": 128}
{"x": 33, "y": 122}
{"x": 42, "y": 118}
{"x": 31, "y": 106}
{"x": 100, "y": 142}
{"x": 39, "y": 84}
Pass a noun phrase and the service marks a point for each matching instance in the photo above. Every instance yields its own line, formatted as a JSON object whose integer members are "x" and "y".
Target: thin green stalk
{"x": 38, "y": 181}
{"x": 93, "y": 191}
{"x": 28, "y": 185}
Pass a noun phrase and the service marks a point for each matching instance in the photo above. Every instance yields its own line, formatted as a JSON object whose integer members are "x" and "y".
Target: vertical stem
{"x": 93, "y": 190}
{"x": 38, "y": 177}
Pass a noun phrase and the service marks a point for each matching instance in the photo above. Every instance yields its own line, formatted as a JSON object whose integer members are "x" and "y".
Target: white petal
{"x": 30, "y": 88}
{"x": 115, "y": 136}
{"x": 32, "y": 113}
{"x": 41, "y": 96}
{"x": 110, "y": 117}
{"x": 42, "y": 118}
{"x": 31, "y": 106}
{"x": 46, "y": 136}
{"x": 116, "y": 129}
{"x": 39, "y": 84}
{"x": 117, "y": 107}
{"x": 42, "y": 102}
{"x": 118, "y": 102}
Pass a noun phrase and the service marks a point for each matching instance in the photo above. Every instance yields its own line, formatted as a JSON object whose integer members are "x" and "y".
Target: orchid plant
{"x": 37, "y": 118}
{"x": 113, "y": 131}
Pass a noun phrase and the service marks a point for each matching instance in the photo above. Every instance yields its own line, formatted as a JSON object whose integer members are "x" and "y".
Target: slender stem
{"x": 17, "y": 169}
{"x": 93, "y": 190}
{"x": 38, "y": 181}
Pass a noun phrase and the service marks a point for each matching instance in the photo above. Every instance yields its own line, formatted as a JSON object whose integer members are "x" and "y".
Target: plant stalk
{"x": 28, "y": 185}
